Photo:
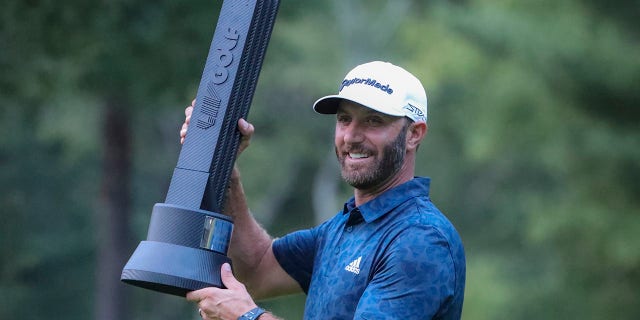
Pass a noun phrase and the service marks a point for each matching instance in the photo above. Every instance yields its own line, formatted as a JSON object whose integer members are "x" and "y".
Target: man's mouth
{"x": 354, "y": 155}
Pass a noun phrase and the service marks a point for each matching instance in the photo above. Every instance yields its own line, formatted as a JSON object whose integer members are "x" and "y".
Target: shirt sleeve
{"x": 295, "y": 253}
{"x": 413, "y": 278}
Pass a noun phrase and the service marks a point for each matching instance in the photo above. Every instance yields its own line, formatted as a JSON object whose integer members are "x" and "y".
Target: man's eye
{"x": 374, "y": 120}
{"x": 343, "y": 119}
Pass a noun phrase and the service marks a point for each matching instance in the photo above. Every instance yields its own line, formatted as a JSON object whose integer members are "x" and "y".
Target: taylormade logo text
{"x": 369, "y": 82}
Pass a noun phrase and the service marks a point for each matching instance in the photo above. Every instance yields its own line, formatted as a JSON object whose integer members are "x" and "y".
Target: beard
{"x": 382, "y": 169}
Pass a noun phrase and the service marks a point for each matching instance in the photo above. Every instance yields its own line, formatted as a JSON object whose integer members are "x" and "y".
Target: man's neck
{"x": 363, "y": 196}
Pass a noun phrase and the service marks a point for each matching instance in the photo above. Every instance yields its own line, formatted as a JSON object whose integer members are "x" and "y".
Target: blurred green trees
{"x": 533, "y": 147}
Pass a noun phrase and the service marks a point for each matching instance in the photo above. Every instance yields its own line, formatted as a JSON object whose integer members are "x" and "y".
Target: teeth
{"x": 357, "y": 155}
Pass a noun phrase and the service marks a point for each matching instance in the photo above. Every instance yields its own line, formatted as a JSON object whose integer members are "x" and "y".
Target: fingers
{"x": 246, "y": 129}
{"x": 183, "y": 132}
{"x": 198, "y": 295}
{"x": 208, "y": 302}
{"x": 227, "y": 277}
{"x": 187, "y": 119}
{"x": 188, "y": 111}
{"x": 217, "y": 303}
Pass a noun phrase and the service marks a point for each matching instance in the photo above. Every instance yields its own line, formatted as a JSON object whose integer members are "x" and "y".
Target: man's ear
{"x": 416, "y": 132}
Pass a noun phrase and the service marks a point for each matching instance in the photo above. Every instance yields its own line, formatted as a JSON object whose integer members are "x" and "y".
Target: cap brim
{"x": 327, "y": 104}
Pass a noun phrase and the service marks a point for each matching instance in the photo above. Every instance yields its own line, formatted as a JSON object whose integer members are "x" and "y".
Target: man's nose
{"x": 353, "y": 133}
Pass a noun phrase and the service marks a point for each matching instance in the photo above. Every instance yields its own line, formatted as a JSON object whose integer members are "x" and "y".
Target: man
{"x": 389, "y": 254}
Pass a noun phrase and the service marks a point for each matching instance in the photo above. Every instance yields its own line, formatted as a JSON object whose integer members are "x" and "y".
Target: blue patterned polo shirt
{"x": 394, "y": 257}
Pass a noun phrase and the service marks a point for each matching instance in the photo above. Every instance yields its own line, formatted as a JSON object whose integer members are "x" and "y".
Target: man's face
{"x": 370, "y": 145}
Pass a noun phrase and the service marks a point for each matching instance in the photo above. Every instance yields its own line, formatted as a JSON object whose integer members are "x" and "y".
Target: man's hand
{"x": 187, "y": 119}
{"x": 230, "y": 303}
{"x": 246, "y": 128}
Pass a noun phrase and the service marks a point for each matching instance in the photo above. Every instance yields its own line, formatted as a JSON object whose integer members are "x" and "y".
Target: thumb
{"x": 227, "y": 277}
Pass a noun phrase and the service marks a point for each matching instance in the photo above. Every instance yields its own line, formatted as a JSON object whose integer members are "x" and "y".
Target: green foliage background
{"x": 533, "y": 145}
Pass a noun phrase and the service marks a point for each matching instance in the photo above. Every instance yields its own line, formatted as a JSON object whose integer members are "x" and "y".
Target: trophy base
{"x": 173, "y": 269}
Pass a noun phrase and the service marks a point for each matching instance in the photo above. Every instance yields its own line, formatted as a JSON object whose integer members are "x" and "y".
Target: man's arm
{"x": 251, "y": 251}
{"x": 250, "y": 248}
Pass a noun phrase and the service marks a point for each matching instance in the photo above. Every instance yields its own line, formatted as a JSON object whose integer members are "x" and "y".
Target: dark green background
{"x": 533, "y": 144}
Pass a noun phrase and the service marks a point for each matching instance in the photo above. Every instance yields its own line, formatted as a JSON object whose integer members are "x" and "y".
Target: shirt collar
{"x": 380, "y": 205}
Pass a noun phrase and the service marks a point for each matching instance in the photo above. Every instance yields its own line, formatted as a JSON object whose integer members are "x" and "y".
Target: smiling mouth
{"x": 354, "y": 155}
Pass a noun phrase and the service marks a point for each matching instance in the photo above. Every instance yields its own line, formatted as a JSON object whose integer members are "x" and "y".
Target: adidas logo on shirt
{"x": 354, "y": 266}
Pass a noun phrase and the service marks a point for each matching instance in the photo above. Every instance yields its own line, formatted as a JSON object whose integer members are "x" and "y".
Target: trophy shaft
{"x": 188, "y": 239}
{"x": 224, "y": 96}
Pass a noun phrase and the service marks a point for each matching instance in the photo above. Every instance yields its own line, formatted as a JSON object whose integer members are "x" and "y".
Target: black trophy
{"x": 188, "y": 238}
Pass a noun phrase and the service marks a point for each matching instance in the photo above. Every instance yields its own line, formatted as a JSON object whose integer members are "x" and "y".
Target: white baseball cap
{"x": 383, "y": 87}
